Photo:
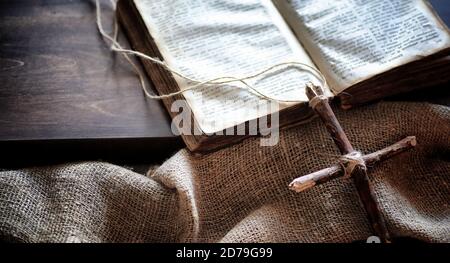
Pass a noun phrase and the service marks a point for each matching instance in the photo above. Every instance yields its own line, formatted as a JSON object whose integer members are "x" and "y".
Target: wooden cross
{"x": 352, "y": 163}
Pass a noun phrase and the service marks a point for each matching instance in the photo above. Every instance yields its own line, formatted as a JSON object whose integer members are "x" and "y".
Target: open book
{"x": 366, "y": 50}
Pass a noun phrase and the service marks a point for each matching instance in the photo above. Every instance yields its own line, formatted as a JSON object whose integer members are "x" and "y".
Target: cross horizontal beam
{"x": 322, "y": 176}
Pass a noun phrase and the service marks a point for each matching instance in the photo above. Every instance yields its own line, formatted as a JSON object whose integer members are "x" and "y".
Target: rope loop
{"x": 350, "y": 161}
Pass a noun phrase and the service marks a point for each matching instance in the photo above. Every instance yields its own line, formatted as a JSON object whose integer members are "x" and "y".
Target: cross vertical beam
{"x": 359, "y": 173}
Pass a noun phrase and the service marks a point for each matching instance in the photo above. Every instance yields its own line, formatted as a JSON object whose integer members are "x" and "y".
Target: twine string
{"x": 197, "y": 84}
{"x": 316, "y": 100}
{"x": 350, "y": 161}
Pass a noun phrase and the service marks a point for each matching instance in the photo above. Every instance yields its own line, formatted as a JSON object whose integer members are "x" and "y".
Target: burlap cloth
{"x": 240, "y": 194}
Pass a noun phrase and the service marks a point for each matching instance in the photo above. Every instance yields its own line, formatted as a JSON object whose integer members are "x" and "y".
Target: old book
{"x": 366, "y": 50}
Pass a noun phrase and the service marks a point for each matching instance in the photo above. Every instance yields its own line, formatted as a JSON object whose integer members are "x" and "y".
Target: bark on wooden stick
{"x": 322, "y": 176}
{"x": 320, "y": 104}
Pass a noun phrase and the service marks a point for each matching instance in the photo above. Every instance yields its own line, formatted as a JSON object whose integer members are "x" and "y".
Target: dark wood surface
{"x": 62, "y": 89}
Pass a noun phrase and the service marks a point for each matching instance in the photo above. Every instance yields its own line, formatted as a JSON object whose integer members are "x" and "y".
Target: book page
{"x": 353, "y": 40}
{"x": 205, "y": 39}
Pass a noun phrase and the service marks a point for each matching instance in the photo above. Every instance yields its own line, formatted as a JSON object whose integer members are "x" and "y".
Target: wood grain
{"x": 61, "y": 84}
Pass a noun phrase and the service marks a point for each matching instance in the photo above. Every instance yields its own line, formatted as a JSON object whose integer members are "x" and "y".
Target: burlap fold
{"x": 240, "y": 194}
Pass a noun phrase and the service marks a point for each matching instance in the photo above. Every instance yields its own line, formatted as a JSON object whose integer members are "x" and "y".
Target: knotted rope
{"x": 350, "y": 161}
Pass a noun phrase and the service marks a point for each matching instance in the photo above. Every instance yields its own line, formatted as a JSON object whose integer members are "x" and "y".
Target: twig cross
{"x": 352, "y": 163}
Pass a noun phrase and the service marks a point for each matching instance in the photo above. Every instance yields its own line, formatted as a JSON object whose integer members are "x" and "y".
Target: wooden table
{"x": 64, "y": 95}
